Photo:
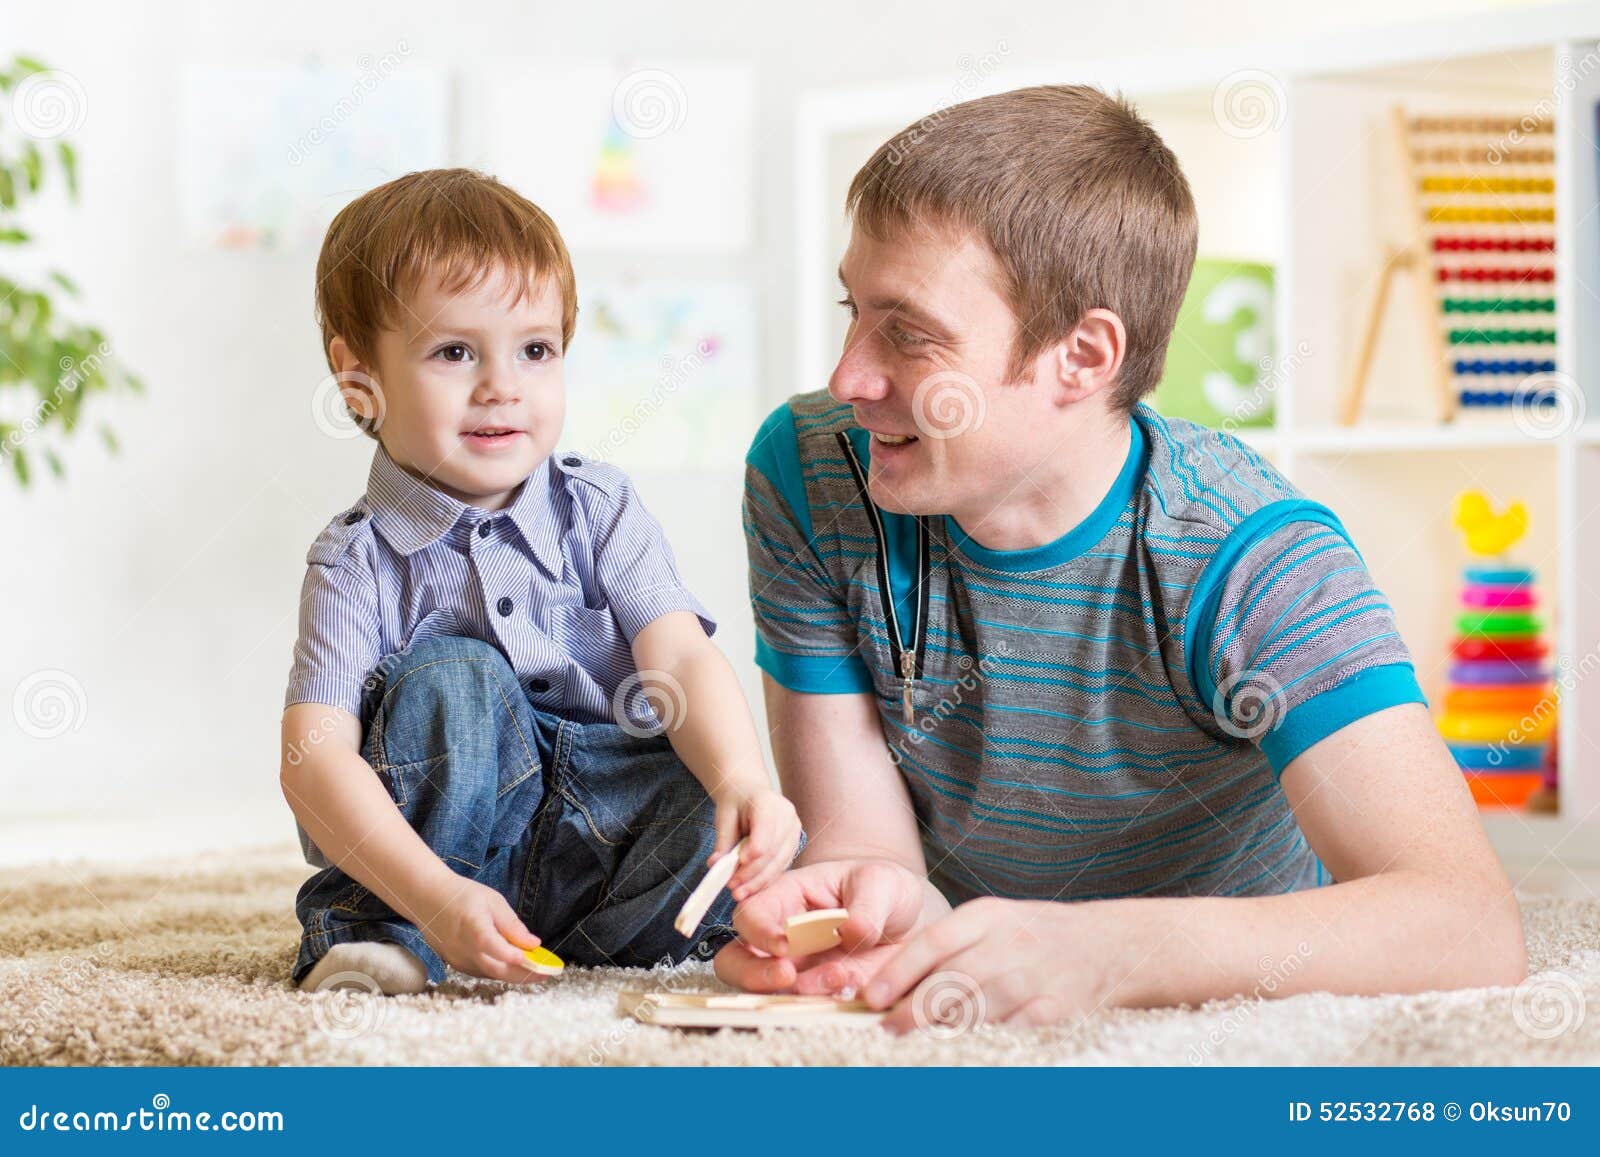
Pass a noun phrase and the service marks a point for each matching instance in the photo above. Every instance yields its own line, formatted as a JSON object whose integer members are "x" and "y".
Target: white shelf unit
{"x": 1309, "y": 196}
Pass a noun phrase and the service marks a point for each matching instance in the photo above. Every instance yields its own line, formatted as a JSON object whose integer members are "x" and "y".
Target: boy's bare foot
{"x": 392, "y": 968}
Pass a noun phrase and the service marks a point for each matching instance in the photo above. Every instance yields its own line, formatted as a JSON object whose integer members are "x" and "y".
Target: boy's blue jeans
{"x": 593, "y": 835}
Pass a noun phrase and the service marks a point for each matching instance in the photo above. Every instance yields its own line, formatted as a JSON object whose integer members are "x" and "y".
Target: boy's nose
{"x": 496, "y": 385}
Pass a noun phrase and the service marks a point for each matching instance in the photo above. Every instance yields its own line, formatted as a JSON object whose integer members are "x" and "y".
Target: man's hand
{"x": 1019, "y": 962}
{"x": 475, "y": 930}
{"x": 887, "y": 902}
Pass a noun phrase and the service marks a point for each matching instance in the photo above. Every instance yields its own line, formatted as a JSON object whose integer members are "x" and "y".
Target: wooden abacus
{"x": 1480, "y": 243}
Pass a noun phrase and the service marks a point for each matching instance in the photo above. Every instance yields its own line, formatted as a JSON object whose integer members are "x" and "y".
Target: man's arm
{"x": 1421, "y": 900}
{"x": 834, "y": 764}
{"x": 863, "y": 853}
{"x": 1421, "y": 903}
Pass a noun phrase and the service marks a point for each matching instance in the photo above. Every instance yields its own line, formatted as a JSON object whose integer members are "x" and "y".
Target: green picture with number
{"x": 1219, "y": 365}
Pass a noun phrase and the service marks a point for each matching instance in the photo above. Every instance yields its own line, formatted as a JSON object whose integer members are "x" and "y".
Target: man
{"x": 1079, "y": 706}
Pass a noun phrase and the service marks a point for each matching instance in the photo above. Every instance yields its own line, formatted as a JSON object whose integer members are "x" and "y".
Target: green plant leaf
{"x": 69, "y": 166}
{"x": 32, "y": 166}
{"x": 51, "y": 361}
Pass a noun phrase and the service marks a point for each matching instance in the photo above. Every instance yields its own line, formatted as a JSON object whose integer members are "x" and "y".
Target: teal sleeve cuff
{"x": 814, "y": 674}
{"x": 1320, "y": 716}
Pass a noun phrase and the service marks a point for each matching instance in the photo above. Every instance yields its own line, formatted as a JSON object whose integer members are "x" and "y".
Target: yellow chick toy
{"x": 1486, "y": 532}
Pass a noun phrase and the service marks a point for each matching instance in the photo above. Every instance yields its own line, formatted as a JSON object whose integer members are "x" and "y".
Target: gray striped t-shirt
{"x": 1105, "y": 715}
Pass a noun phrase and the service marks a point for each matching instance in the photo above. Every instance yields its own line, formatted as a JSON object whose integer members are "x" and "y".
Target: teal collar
{"x": 1077, "y": 540}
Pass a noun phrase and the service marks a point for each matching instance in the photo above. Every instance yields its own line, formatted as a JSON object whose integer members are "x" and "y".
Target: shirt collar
{"x": 413, "y": 515}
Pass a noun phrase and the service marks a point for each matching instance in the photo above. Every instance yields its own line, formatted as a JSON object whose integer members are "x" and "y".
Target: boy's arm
{"x": 344, "y": 808}
{"x": 349, "y": 815}
{"x": 699, "y": 702}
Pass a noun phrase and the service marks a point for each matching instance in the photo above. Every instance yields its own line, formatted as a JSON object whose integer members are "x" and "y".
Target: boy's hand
{"x": 473, "y": 928}
{"x": 771, "y": 832}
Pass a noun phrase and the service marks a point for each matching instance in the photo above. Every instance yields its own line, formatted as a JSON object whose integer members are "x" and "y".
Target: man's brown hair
{"x": 1081, "y": 201}
{"x": 459, "y": 225}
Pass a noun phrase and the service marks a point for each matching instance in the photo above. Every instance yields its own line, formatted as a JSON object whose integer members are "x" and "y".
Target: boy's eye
{"x": 849, "y": 305}
{"x": 539, "y": 350}
{"x": 450, "y": 352}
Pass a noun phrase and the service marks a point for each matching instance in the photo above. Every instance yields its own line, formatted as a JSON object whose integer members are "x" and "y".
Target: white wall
{"x": 165, "y": 580}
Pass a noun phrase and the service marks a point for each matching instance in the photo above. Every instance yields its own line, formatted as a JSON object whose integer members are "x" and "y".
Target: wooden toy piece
{"x": 544, "y": 962}
{"x": 743, "y": 1010}
{"x": 705, "y": 893}
{"x": 812, "y": 932}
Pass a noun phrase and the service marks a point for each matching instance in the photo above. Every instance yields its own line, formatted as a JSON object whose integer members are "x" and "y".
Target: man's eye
{"x": 849, "y": 305}
{"x": 448, "y": 353}
{"x": 906, "y": 340}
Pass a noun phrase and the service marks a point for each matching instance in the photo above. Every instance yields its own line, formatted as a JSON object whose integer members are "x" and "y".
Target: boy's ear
{"x": 1088, "y": 359}
{"x": 358, "y": 384}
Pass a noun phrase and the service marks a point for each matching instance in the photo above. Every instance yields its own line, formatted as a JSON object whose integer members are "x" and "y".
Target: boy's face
{"x": 926, "y": 358}
{"x": 471, "y": 387}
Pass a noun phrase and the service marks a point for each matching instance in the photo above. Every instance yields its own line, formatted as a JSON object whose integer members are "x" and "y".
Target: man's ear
{"x": 358, "y": 384}
{"x": 1089, "y": 358}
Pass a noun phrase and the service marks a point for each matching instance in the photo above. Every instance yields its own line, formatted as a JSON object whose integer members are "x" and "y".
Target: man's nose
{"x": 858, "y": 377}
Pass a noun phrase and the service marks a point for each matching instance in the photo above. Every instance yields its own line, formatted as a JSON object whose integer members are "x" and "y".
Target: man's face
{"x": 471, "y": 387}
{"x": 924, "y": 366}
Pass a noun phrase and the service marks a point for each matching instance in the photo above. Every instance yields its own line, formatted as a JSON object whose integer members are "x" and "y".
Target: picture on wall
{"x": 1219, "y": 360}
{"x": 629, "y": 158}
{"x": 663, "y": 373}
{"x": 269, "y": 156}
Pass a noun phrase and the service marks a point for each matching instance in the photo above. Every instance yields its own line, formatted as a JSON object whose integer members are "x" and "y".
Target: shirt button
{"x": 538, "y": 686}
{"x": 570, "y": 460}
{"x": 505, "y": 605}
{"x": 484, "y": 527}
{"x": 353, "y": 517}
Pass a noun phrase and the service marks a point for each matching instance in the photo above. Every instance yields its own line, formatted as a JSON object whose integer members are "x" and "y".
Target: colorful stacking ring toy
{"x": 1499, "y": 707}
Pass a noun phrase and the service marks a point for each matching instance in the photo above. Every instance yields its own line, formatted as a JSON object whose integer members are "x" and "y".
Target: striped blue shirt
{"x": 1103, "y": 715}
{"x": 560, "y": 581}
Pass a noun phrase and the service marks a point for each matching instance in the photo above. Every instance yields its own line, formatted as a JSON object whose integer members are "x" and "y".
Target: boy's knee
{"x": 443, "y": 664}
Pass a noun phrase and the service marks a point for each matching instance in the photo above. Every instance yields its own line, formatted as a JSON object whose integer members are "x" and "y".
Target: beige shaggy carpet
{"x": 188, "y": 965}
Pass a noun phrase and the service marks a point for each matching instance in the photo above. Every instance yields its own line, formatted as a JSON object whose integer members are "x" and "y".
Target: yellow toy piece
{"x": 1479, "y": 728}
{"x": 1486, "y": 532}
{"x": 544, "y": 962}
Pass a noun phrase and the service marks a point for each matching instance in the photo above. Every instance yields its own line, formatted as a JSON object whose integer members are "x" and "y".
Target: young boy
{"x": 469, "y": 744}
